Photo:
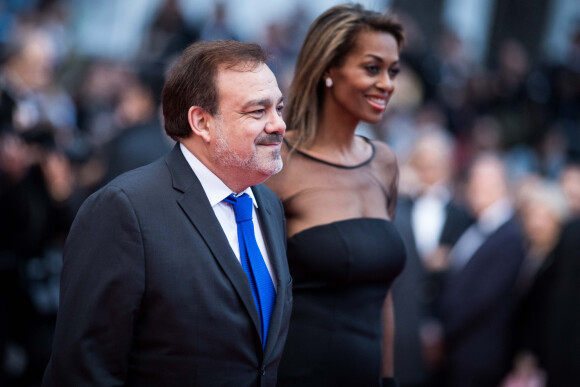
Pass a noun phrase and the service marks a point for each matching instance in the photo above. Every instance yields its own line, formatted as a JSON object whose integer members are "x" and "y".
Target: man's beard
{"x": 268, "y": 166}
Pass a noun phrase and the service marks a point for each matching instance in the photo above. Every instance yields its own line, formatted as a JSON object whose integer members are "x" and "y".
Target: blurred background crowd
{"x": 485, "y": 123}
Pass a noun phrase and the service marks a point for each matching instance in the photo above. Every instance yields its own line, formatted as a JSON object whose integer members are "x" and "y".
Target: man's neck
{"x": 237, "y": 182}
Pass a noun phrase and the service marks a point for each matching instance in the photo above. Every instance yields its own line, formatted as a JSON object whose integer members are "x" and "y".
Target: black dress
{"x": 342, "y": 271}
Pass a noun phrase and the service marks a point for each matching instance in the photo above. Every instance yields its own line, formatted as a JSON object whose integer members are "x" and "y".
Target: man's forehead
{"x": 243, "y": 71}
{"x": 245, "y": 84}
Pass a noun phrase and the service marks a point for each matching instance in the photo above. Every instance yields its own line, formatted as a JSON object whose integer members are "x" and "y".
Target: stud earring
{"x": 328, "y": 82}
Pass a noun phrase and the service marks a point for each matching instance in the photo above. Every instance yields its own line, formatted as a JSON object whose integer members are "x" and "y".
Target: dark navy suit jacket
{"x": 153, "y": 295}
{"x": 477, "y": 306}
{"x": 416, "y": 290}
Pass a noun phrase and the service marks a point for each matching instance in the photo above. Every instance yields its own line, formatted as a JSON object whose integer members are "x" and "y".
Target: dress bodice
{"x": 342, "y": 272}
{"x": 351, "y": 252}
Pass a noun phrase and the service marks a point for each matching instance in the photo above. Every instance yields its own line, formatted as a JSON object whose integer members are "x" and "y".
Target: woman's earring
{"x": 328, "y": 82}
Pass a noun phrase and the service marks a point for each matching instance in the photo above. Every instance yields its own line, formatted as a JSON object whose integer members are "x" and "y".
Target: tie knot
{"x": 242, "y": 206}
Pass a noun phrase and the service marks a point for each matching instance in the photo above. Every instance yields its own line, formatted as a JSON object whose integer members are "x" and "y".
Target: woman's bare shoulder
{"x": 384, "y": 155}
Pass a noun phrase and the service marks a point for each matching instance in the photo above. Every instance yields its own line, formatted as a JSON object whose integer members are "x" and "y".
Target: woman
{"x": 339, "y": 192}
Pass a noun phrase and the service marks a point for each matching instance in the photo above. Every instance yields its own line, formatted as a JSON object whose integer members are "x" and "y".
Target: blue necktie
{"x": 252, "y": 261}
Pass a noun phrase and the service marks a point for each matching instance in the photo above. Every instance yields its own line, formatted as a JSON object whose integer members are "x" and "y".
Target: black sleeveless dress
{"x": 342, "y": 272}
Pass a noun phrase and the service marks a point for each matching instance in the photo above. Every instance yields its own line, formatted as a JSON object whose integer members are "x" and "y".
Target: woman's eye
{"x": 394, "y": 71}
{"x": 372, "y": 69}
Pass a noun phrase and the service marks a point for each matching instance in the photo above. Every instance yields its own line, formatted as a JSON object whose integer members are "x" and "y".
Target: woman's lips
{"x": 378, "y": 102}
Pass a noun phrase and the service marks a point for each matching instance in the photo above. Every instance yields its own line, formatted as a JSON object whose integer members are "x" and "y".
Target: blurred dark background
{"x": 80, "y": 83}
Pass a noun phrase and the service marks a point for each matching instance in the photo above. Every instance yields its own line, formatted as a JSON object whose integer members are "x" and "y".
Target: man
{"x": 152, "y": 290}
{"x": 478, "y": 300}
{"x": 430, "y": 221}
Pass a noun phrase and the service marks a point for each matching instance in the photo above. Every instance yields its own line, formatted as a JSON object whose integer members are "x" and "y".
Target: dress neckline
{"x": 371, "y": 157}
{"x": 342, "y": 222}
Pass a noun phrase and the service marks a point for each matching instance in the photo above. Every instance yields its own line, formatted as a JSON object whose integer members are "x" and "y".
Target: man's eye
{"x": 280, "y": 109}
{"x": 258, "y": 112}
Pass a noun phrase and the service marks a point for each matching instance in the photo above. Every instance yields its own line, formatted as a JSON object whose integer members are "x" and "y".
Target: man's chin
{"x": 276, "y": 170}
{"x": 273, "y": 169}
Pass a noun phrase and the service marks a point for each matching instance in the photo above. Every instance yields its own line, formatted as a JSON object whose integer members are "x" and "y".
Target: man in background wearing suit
{"x": 155, "y": 288}
{"x": 478, "y": 301}
{"x": 430, "y": 221}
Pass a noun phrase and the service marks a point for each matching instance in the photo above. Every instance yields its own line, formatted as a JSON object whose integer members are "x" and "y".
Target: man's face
{"x": 486, "y": 185}
{"x": 248, "y": 127}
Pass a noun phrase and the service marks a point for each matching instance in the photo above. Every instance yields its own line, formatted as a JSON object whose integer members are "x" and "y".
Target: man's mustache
{"x": 270, "y": 138}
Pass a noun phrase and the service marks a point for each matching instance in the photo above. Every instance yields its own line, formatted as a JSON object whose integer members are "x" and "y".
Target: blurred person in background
{"x": 477, "y": 303}
{"x": 97, "y": 95}
{"x": 37, "y": 123}
{"x": 565, "y": 97}
{"x": 139, "y": 138}
{"x": 430, "y": 221}
{"x": 543, "y": 210}
{"x": 283, "y": 38}
{"x": 547, "y": 325}
{"x": 216, "y": 27}
{"x": 339, "y": 192}
{"x": 451, "y": 70}
{"x": 563, "y": 353}
{"x": 27, "y": 78}
{"x": 110, "y": 97}
{"x": 569, "y": 180}
{"x": 35, "y": 185}
{"x": 169, "y": 34}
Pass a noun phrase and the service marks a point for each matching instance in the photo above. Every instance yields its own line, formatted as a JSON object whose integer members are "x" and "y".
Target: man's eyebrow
{"x": 257, "y": 102}
{"x": 261, "y": 102}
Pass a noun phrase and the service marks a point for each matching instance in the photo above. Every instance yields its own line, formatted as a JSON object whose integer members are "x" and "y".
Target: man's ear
{"x": 200, "y": 121}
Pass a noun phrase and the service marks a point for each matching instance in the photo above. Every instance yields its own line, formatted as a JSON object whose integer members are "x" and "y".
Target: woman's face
{"x": 363, "y": 85}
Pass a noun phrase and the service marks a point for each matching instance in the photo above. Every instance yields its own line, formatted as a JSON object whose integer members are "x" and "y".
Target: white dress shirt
{"x": 428, "y": 218}
{"x": 216, "y": 192}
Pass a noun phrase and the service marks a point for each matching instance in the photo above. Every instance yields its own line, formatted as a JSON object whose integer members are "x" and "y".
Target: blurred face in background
{"x": 431, "y": 160}
{"x": 541, "y": 224}
{"x": 486, "y": 184}
{"x": 570, "y": 183}
{"x": 363, "y": 85}
{"x": 33, "y": 65}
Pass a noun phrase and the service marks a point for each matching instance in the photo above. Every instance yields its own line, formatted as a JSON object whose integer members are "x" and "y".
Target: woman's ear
{"x": 200, "y": 121}
{"x": 327, "y": 78}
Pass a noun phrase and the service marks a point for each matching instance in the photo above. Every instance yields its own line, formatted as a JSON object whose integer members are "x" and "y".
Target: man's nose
{"x": 276, "y": 124}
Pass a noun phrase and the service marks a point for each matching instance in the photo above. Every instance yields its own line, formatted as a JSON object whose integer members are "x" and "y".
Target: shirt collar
{"x": 495, "y": 215}
{"x": 214, "y": 188}
{"x": 439, "y": 191}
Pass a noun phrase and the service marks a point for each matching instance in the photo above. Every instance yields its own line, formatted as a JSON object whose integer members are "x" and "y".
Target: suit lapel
{"x": 197, "y": 208}
{"x": 272, "y": 234}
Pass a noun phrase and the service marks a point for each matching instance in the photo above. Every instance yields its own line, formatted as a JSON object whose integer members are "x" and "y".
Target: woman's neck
{"x": 336, "y": 143}
{"x": 335, "y": 129}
